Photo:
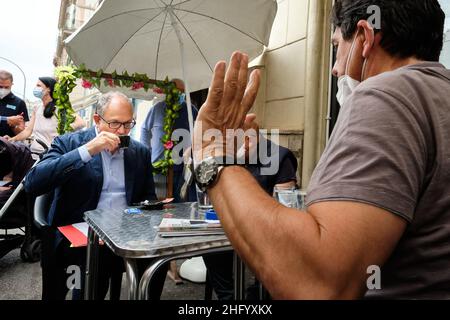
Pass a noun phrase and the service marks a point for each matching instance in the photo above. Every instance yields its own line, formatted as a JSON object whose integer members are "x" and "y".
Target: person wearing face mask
{"x": 346, "y": 84}
{"x": 13, "y": 110}
{"x": 377, "y": 222}
{"x": 43, "y": 124}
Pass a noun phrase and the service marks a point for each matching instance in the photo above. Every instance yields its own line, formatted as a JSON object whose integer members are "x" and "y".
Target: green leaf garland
{"x": 66, "y": 81}
{"x": 172, "y": 112}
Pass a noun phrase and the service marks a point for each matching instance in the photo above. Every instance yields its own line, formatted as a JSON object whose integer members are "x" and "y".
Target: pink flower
{"x": 86, "y": 84}
{"x": 168, "y": 145}
{"x": 137, "y": 86}
{"x": 158, "y": 90}
{"x": 110, "y": 82}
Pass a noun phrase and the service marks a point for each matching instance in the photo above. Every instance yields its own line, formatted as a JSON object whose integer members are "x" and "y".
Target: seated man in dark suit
{"x": 220, "y": 265}
{"x": 85, "y": 171}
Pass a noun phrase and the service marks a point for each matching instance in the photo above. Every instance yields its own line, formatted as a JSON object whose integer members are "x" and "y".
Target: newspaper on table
{"x": 171, "y": 227}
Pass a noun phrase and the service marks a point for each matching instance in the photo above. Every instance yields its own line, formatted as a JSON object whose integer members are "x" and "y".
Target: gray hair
{"x": 106, "y": 99}
{"x": 179, "y": 84}
{"x": 5, "y": 75}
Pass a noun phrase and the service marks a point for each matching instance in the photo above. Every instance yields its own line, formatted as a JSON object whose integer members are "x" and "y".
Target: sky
{"x": 29, "y": 38}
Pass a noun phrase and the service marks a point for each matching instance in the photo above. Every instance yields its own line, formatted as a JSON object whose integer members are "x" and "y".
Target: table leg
{"x": 147, "y": 277}
{"x": 90, "y": 292}
{"x": 132, "y": 278}
{"x": 239, "y": 277}
{"x": 260, "y": 291}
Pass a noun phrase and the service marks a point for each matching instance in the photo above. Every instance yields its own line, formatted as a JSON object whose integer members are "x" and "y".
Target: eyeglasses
{"x": 116, "y": 125}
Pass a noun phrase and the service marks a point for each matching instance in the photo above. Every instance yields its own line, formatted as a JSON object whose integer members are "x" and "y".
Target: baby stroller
{"x": 16, "y": 206}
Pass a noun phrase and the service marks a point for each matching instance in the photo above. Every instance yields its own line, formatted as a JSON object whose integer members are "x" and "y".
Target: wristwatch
{"x": 208, "y": 170}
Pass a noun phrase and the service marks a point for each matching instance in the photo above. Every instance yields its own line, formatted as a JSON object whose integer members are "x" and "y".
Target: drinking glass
{"x": 290, "y": 197}
{"x": 301, "y": 198}
{"x": 203, "y": 200}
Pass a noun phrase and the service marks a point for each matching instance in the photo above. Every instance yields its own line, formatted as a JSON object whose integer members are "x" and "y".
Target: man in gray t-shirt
{"x": 391, "y": 149}
{"x": 378, "y": 217}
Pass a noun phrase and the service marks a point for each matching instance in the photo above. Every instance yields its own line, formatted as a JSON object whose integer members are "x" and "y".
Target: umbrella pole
{"x": 176, "y": 27}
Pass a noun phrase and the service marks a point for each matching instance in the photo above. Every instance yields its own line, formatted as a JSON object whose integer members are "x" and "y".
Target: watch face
{"x": 206, "y": 171}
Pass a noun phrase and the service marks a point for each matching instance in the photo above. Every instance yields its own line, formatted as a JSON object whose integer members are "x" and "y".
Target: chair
{"x": 41, "y": 208}
{"x": 48, "y": 234}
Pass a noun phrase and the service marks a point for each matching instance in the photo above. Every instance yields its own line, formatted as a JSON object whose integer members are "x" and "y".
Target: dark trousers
{"x": 58, "y": 267}
{"x": 220, "y": 277}
{"x": 62, "y": 265}
{"x": 220, "y": 274}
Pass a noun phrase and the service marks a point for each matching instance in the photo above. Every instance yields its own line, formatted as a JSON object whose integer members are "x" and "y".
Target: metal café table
{"x": 134, "y": 236}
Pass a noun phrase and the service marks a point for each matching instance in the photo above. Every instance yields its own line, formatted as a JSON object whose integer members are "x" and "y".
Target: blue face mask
{"x": 182, "y": 98}
{"x": 38, "y": 92}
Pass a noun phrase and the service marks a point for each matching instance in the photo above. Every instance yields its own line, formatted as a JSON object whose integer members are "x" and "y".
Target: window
{"x": 445, "y": 56}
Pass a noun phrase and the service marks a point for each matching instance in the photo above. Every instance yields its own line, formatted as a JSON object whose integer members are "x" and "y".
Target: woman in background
{"x": 43, "y": 122}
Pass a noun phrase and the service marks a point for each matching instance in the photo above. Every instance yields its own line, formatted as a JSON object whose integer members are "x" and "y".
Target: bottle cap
{"x": 211, "y": 215}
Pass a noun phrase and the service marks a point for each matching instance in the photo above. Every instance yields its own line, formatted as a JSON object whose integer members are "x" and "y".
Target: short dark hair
{"x": 410, "y": 28}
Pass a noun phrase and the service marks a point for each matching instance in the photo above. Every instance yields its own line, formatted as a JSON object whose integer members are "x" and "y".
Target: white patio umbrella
{"x": 174, "y": 38}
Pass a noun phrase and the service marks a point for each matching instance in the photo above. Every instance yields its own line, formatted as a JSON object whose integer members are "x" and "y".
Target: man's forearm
{"x": 286, "y": 239}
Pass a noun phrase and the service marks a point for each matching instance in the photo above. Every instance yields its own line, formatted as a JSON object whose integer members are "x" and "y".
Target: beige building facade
{"x": 73, "y": 14}
{"x": 296, "y": 68}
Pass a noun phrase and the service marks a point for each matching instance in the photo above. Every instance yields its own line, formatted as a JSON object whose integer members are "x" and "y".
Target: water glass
{"x": 203, "y": 200}
{"x": 301, "y": 198}
{"x": 290, "y": 197}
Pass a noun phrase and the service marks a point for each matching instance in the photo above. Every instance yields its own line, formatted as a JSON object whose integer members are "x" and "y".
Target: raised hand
{"x": 103, "y": 141}
{"x": 229, "y": 100}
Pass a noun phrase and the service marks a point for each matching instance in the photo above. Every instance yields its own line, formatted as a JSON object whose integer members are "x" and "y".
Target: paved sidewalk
{"x": 22, "y": 281}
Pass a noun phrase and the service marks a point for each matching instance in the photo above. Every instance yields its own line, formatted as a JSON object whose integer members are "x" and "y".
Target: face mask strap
{"x": 350, "y": 56}
{"x": 351, "y": 53}
{"x": 45, "y": 91}
{"x": 364, "y": 68}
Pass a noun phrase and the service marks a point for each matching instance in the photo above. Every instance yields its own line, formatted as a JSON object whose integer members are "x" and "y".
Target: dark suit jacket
{"x": 77, "y": 185}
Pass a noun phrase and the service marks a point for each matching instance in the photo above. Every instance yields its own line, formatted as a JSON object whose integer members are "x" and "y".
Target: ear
{"x": 369, "y": 37}
{"x": 96, "y": 119}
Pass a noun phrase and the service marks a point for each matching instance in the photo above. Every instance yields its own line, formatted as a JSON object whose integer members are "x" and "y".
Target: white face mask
{"x": 4, "y": 92}
{"x": 346, "y": 84}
